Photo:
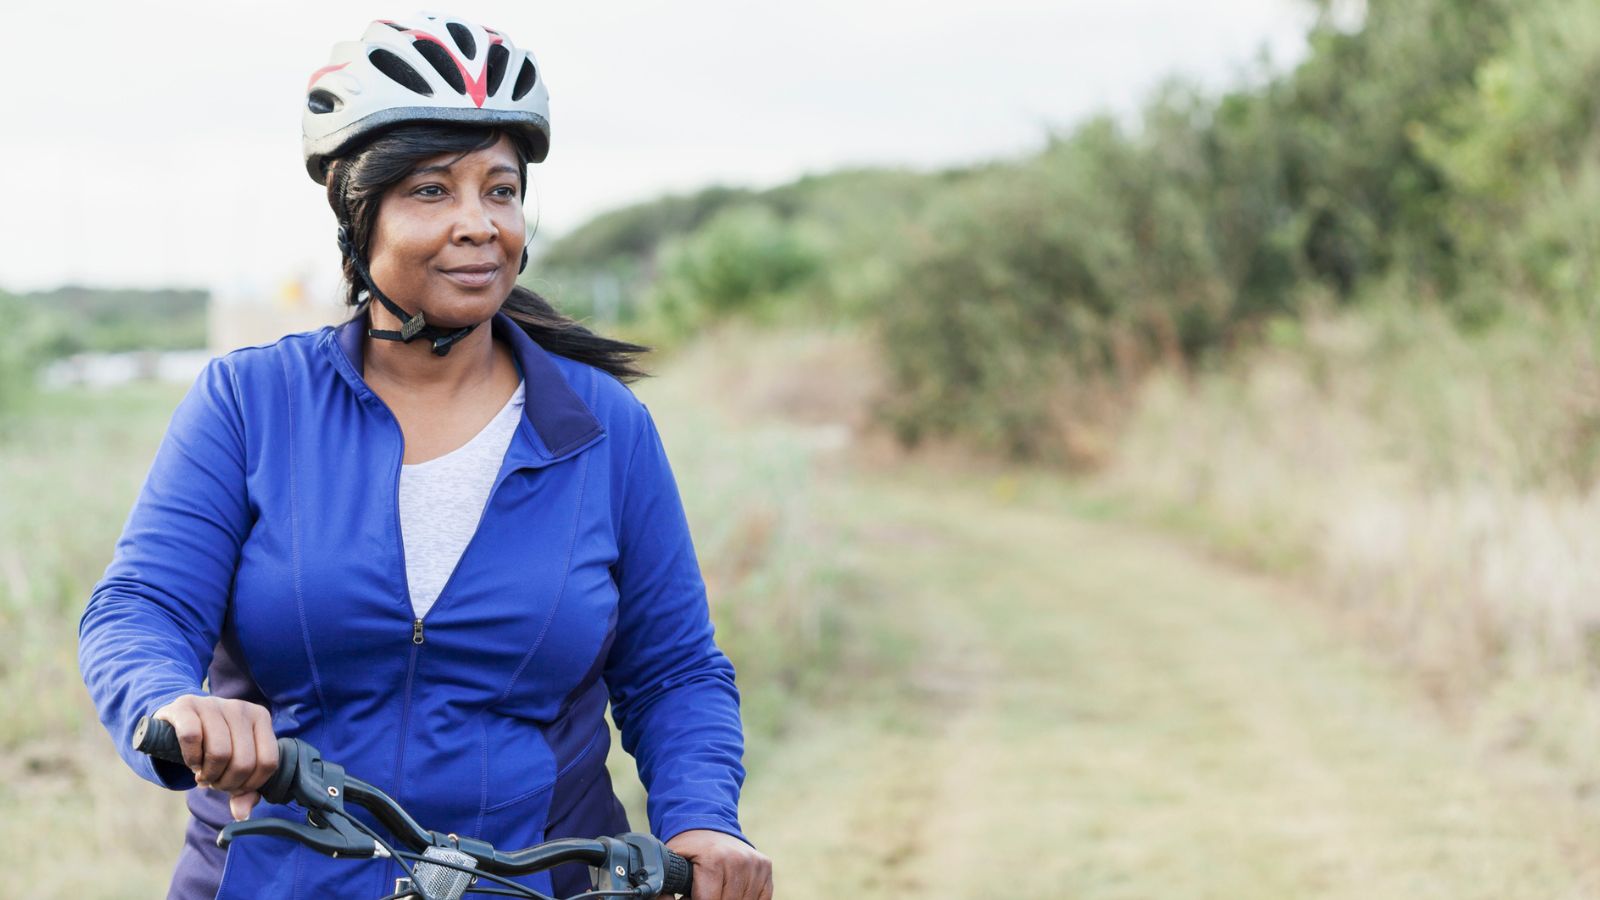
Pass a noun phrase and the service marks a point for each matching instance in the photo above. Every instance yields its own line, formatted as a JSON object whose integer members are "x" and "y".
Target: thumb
{"x": 241, "y": 804}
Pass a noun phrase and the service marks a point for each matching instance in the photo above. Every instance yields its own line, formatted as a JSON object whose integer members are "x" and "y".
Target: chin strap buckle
{"x": 412, "y": 327}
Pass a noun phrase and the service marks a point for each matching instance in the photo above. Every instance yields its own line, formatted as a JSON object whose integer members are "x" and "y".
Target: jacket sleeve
{"x": 672, "y": 690}
{"x": 153, "y": 621}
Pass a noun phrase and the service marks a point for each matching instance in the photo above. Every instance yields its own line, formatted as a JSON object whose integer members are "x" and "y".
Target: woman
{"x": 432, "y": 541}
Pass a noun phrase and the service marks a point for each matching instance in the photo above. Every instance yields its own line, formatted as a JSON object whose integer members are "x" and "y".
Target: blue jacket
{"x": 264, "y": 554}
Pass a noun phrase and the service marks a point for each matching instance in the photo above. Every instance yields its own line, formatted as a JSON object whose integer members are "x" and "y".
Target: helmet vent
{"x": 402, "y": 73}
{"x": 439, "y": 58}
{"x": 397, "y": 27}
{"x": 463, "y": 36}
{"x": 498, "y": 57}
{"x": 525, "y": 79}
{"x": 321, "y": 102}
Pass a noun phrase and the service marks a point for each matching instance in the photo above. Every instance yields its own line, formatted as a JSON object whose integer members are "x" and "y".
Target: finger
{"x": 764, "y": 876}
{"x": 187, "y": 726}
{"x": 736, "y": 884}
{"x": 218, "y": 743}
{"x": 707, "y": 883}
{"x": 266, "y": 749}
{"x": 241, "y": 804}
{"x": 242, "y": 764}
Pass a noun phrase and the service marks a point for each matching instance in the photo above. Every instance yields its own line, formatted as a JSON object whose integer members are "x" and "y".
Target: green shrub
{"x": 1521, "y": 152}
{"x": 1045, "y": 279}
{"x": 737, "y": 263}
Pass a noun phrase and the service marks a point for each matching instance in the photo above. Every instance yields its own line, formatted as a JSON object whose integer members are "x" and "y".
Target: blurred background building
{"x": 300, "y": 303}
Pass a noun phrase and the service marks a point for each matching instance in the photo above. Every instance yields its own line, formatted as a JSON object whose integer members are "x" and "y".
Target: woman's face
{"x": 448, "y": 237}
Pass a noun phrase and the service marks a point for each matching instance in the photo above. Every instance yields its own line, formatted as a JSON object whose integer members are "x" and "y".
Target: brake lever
{"x": 335, "y": 836}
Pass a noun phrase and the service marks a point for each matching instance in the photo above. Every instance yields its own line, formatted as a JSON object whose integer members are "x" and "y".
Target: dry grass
{"x": 1435, "y": 489}
{"x": 1092, "y": 710}
{"x": 1438, "y": 488}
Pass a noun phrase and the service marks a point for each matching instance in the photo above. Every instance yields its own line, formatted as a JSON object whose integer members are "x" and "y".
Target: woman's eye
{"x": 429, "y": 190}
{"x": 505, "y": 190}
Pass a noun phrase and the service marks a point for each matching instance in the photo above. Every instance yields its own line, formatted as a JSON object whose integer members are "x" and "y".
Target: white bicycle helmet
{"x": 428, "y": 68}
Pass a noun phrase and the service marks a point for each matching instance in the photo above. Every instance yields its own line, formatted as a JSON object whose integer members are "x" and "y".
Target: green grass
{"x": 70, "y": 465}
{"x": 69, "y": 471}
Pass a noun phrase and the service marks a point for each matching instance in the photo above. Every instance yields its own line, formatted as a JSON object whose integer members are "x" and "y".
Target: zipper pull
{"x": 416, "y": 632}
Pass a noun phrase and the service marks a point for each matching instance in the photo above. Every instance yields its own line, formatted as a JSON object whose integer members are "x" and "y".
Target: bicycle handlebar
{"x": 631, "y": 861}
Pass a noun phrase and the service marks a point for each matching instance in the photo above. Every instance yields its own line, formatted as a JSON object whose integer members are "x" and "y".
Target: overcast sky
{"x": 158, "y": 143}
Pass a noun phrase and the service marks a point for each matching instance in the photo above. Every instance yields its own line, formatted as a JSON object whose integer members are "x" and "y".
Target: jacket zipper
{"x": 405, "y": 596}
{"x": 418, "y": 632}
{"x": 405, "y": 725}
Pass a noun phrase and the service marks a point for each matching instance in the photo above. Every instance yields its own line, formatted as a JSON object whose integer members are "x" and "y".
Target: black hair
{"x": 357, "y": 182}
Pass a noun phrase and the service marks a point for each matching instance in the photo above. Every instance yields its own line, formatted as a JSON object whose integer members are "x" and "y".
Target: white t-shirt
{"x": 441, "y": 501}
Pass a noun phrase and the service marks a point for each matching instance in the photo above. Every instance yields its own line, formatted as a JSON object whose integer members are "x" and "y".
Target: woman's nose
{"x": 473, "y": 225}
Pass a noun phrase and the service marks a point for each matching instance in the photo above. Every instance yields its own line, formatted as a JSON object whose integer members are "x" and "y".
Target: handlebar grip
{"x": 157, "y": 738}
{"x": 281, "y": 783}
{"x": 679, "y": 875}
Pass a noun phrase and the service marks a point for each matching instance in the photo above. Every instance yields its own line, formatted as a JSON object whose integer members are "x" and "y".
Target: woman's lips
{"x": 472, "y": 277}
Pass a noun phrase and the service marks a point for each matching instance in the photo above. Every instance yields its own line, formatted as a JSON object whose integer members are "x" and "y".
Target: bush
{"x": 737, "y": 264}
{"x": 31, "y": 340}
{"x": 1045, "y": 280}
{"x": 1083, "y": 267}
{"x": 1521, "y": 154}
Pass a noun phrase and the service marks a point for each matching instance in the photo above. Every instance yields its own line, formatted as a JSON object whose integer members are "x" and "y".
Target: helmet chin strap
{"x": 414, "y": 326}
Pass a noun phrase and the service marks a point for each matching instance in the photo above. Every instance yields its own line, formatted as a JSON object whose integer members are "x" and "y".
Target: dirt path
{"x": 1098, "y": 712}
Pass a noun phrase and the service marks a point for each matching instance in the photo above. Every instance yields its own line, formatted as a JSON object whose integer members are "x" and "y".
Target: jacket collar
{"x": 561, "y": 422}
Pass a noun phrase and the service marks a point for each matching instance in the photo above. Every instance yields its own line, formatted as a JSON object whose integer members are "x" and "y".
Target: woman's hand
{"x": 725, "y": 868}
{"x": 228, "y": 744}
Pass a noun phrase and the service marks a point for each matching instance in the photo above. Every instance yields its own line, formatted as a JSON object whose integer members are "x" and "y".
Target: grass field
{"x": 1094, "y": 710}
{"x": 960, "y": 679}
{"x": 70, "y": 466}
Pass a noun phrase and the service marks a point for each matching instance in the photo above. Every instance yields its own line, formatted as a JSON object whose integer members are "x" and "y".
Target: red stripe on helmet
{"x": 477, "y": 88}
{"x": 321, "y": 72}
